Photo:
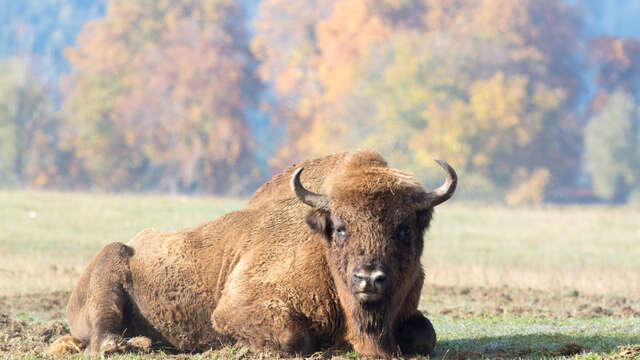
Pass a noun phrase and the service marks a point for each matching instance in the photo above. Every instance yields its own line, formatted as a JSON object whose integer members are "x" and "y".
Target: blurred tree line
{"x": 529, "y": 100}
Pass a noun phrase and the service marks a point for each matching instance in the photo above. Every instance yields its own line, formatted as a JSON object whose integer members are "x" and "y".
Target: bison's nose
{"x": 374, "y": 279}
{"x": 369, "y": 279}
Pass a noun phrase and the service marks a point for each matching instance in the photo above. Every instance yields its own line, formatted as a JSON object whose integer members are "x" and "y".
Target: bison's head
{"x": 373, "y": 219}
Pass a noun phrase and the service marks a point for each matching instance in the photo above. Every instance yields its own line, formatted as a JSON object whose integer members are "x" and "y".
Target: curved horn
{"x": 318, "y": 201}
{"x": 444, "y": 191}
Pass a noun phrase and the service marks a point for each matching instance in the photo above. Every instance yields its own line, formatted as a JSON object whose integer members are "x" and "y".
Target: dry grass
{"x": 47, "y": 238}
{"x": 562, "y": 253}
{"x": 591, "y": 281}
{"x": 589, "y": 249}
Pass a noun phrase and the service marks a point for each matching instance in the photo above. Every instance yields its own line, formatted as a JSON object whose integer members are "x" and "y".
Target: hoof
{"x": 140, "y": 344}
{"x": 66, "y": 345}
{"x": 112, "y": 344}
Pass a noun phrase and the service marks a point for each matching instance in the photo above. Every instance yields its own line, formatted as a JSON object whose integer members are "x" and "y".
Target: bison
{"x": 326, "y": 254}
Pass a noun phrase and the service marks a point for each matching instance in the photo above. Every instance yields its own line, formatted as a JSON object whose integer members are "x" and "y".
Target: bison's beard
{"x": 372, "y": 316}
{"x": 370, "y": 323}
{"x": 374, "y": 327}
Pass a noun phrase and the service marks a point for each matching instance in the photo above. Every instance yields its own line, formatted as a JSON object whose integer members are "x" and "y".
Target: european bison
{"x": 331, "y": 263}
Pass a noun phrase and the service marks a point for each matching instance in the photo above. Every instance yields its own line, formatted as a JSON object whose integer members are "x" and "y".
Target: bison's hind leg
{"x": 97, "y": 305}
{"x": 264, "y": 327}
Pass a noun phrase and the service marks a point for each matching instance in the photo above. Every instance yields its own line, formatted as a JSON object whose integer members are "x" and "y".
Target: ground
{"x": 471, "y": 323}
{"x": 550, "y": 282}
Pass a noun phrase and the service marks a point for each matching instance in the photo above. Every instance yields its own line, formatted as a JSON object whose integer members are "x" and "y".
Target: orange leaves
{"x": 617, "y": 61}
{"x": 177, "y": 112}
{"x": 489, "y": 85}
{"x": 343, "y": 39}
{"x": 476, "y": 82}
{"x": 612, "y": 50}
{"x": 312, "y": 52}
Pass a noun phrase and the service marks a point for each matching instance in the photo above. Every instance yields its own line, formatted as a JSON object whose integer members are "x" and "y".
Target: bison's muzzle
{"x": 369, "y": 283}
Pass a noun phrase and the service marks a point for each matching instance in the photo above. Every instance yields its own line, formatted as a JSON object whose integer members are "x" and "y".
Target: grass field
{"x": 547, "y": 282}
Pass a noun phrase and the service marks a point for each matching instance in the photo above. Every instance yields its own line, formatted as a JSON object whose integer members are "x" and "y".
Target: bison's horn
{"x": 317, "y": 201}
{"x": 445, "y": 191}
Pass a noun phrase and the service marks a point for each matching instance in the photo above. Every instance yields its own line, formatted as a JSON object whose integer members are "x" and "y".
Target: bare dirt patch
{"x": 460, "y": 302}
{"x": 30, "y": 323}
{"x": 28, "y": 337}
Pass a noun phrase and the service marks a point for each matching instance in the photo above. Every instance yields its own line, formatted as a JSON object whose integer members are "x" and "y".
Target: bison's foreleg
{"x": 416, "y": 335}
{"x": 269, "y": 324}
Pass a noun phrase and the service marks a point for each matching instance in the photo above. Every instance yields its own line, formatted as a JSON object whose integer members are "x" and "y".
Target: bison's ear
{"x": 319, "y": 221}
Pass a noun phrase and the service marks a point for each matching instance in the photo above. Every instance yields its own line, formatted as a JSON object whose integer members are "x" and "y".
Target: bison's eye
{"x": 404, "y": 233}
{"x": 341, "y": 234}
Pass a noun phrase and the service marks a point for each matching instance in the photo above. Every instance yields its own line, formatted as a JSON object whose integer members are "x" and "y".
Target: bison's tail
{"x": 65, "y": 345}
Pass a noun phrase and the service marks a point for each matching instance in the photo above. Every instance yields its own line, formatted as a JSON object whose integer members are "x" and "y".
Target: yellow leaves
{"x": 529, "y": 188}
{"x": 492, "y": 120}
{"x": 502, "y": 19}
{"x": 505, "y": 106}
{"x": 429, "y": 144}
{"x": 547, "y": 98}
{"x": 497, "y": 103}
{"x": 170, "y": 20}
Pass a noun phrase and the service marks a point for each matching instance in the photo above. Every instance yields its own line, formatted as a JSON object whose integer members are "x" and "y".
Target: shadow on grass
{"x": 531, "y": 346}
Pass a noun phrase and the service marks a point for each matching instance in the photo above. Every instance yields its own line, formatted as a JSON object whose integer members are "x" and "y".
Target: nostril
{"x": 360, "y": 280}
{"x": 361, "y": 276}
{"x": 378, "y": 278}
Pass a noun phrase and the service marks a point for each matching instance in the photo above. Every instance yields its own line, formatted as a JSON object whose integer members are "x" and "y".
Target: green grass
{"x": 47, "y": 238}
{"x": 484, "y": 338}
{"x": 530, "y": 337}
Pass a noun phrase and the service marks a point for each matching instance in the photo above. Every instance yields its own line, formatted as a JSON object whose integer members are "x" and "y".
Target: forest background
{"x": 530, "y": 100}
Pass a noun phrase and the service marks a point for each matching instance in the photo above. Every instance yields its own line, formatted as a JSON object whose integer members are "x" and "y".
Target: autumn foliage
{"x": 200, "y": 95}
{"x": 157, "y": 97}
{"x": 486, "y": 85}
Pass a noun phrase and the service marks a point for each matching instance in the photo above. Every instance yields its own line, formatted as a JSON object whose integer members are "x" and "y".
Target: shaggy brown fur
{"x": 275, "y": 274}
